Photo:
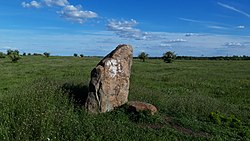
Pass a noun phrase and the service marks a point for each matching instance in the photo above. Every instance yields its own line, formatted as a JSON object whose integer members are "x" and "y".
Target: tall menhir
{"x": 109, "y": 84}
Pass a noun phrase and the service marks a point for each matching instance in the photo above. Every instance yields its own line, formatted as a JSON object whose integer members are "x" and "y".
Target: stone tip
{"x": 123, "y": 45}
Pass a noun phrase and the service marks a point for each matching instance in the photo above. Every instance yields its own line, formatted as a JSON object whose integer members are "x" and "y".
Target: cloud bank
{"x": 101, "y": 42}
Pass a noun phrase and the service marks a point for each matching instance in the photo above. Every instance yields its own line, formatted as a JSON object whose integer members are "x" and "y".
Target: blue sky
{"x": 95, "y": 27}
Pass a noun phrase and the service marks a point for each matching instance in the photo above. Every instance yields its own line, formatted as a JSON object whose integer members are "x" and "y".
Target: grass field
{"x": 197, "y": 100}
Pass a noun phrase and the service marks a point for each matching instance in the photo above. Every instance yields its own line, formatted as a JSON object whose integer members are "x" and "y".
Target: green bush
{"x": 10, "y": 51}
{"x": 2, "y": 55}
{"x": 169, "y": 57}
{"x": 46, "y": 54}
{"x": 143, "y": 56}
{"x": 13, "y": 55}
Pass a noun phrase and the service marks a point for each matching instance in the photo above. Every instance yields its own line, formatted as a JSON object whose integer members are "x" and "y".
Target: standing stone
{"x": 109, "y": 84}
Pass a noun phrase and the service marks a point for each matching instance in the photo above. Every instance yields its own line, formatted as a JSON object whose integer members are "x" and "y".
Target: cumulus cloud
{"x": 175, "y": 41}
{"x": 76, "y": 13}
{"x": 68, "y": 11}
{"x": 56, "y": 2}
{"x": 233, "y": 44}
{"x": 234, "y": 9}
{"x": 31, "y": 4}
{"x": 126, "y": 29}
{"x": 50, "y": 3}
{"x": 241, "y": 27}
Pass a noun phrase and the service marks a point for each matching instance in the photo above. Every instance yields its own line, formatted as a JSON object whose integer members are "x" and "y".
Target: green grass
{"x": 40, "y": 100}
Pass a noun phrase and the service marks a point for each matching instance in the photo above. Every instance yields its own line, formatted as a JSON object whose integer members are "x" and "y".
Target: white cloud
{"x": 56, "y": 2}
{"x": 165, "y": 45}
{"x": 241, "y": 27}
{"x": 68, "y": 11}
{"x": 76, "y": 13}
{"x": 191, "y": 20}
{"x": 31, "y": 4}
{"x": 233, "y": 44}
{"x": 189, "y": 34}
{"x": 209, "y": 24}
{"x": 126, "y": 29}
{"x": 192, "y": 34}
{"x": 50, "y": 3}
{"x": 175, "y": 41}
{"x": 216, "y": 27}
{"x": 233, "y": 9}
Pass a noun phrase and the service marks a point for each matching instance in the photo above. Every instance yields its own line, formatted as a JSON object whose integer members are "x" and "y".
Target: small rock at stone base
{"x": 142, "y": 106}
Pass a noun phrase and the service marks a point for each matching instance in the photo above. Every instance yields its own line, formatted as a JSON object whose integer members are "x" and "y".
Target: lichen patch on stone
{"x": 114, "y": 67}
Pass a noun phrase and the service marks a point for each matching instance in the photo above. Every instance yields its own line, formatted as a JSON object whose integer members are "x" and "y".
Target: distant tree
{"x": 13, "y": 55}
{"x": 17, "y": 51}
{"x": 75, "y": 54}
{"x": 24, "y": 54}
{"x": 143, "y": 56}
{"x": 169, "y": 57}
{"x": 9, "y": 51}
{"x": 29, "y": 54}
{"x": 81, "y": 55}
{"x": 2, "y": 55}
{"x": 46, "y": 54}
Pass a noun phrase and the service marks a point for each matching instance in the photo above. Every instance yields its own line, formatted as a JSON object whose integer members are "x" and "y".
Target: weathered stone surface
{"x": 142, "y": 106}
{"x": 109, "y": 85}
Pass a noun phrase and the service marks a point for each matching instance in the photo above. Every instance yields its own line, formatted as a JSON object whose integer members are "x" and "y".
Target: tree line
{"x": 14, "y": 55}
{"x": 169, "y": 57}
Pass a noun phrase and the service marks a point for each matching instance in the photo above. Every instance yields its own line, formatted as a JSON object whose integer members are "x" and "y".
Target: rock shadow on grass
{"x": 77, "y": 93}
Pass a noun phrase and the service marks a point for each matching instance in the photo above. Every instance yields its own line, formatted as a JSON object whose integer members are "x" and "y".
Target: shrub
{"x": 46, "y": 54}
{"x": 29, "y": 54}
{"x": 2, "y": 55}
{"x": 24, "y": 54}
{"x": 169, "y": 57}
{"x": 143, "y": 56}
{"x": 81, "y": 55}
{"x": 75, "y": 55}
{"x": 13, "y": 55}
